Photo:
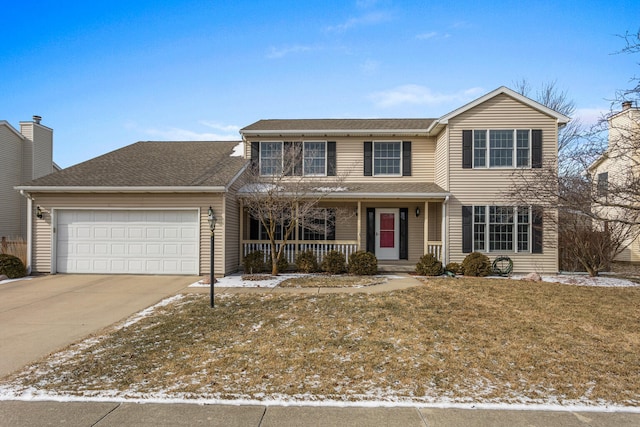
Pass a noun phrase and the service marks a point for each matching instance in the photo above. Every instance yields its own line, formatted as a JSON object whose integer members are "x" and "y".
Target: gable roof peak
{"x": 502, "y": 90}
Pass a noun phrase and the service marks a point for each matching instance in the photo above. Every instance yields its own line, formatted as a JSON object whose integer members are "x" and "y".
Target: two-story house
{"x": 414, "y": 185}
{"x": 25, "y": 155}
{"x": 615, "y": 173}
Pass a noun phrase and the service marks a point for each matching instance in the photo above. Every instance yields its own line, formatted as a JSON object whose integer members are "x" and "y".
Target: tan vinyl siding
{"x": 350, "y": 157}
{"x": 42, "y": 239}
{"x": 442, "y": 160}
{"x": 42, "y": 151}
{"x": 484, "y": 186}
{"x": 232, "y": 228}
{"x": 10, "y": 175}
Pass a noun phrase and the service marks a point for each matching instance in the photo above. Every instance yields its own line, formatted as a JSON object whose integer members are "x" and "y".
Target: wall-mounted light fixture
{"x": 38, "y": 212}
{"x": 418, "y": 211}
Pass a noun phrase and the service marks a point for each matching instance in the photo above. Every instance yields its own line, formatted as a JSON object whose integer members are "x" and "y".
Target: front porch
{"x": 415, "y": 228}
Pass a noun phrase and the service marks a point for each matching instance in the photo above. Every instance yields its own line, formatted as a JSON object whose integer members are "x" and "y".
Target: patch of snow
{"x": 331, "y": 189}
{"x": 238, "y": 150}
{"x": 584, "y": 280}
{"x": 235, "y": 281}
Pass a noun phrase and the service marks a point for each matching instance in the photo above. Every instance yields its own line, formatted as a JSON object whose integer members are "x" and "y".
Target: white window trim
{"x": 487, "y": 226}
{"x": 514, "y": 163}
{"x": 304, "y": 150}
{"x": 373, "y": 159}
{"x": 262, "y": 152}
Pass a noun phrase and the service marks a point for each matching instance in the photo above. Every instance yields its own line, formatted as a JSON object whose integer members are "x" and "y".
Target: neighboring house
{"x": 619, "y": 166}
{"x": 414, "y": 185}
{"x": 24, "y": 155}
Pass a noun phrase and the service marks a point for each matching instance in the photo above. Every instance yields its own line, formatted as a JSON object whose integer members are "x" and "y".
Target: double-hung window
{"x": 501, "y": 228}
{"x": 387, "y": 158}
{"x": 309, "y": 158}
{"x": 270, "y": 158}
{"x": 320, "y": 225}
{"x": 501, "y": 148}
{"x": 315, "y": 158}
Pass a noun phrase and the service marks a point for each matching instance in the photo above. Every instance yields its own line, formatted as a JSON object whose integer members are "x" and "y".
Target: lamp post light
{"x": 211, "y": 218}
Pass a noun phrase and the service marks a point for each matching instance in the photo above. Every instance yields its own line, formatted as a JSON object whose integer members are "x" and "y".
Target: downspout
{"x": 445, "y": 258}
{"x": 29, "y": 228}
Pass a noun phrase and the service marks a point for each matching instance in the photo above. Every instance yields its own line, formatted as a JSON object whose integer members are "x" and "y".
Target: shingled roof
{"x": 153, "y": 164}
{"x": 337, "y": 125}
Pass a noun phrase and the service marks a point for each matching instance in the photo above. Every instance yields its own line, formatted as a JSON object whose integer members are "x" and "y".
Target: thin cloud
{"x": 280, "y": 52}
{"x": 370, "y": 67}
{"x": 219, "y": 126}
{"x": 227, "y": 132}
{"x": 421, "y": 95}
{"x": 372, "y": 18}
{"x": 432, "y": 35}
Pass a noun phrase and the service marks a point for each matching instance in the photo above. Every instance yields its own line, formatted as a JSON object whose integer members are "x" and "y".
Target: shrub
{"x": 334, "y": 262}
{"x": 12, "y": 267}
{"x": 429, "y": 266}
{"x": 306, "y": 262}
{"x": 253, "y": 262}
{"x": 476, "y": 264}
{"x": 363, "y": 263}
{"x": 454, "y": 267}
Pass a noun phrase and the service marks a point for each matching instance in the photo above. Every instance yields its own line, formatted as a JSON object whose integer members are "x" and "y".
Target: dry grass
{"x": 329, "y": 281}
{"x": 464, "y": 340}
{"x": 16, "y": 246}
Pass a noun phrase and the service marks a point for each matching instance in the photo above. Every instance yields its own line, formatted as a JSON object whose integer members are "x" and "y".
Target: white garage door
{"x": 127, "y": 241}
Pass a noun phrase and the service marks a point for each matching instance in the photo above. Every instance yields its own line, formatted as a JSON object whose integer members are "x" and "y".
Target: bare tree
{"x": 597, "y": 214}
{"x": 552, "y": 96}
{"x": 283, "y": 199}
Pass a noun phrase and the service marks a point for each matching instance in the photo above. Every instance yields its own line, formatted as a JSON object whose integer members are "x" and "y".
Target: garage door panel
{"x": 128, "y": 241}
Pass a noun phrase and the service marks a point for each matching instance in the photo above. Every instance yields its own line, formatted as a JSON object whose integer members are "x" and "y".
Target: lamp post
{"x": 211, "y": 218}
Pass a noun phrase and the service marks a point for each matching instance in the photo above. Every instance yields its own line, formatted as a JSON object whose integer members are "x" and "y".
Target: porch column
{"x": 359, "y": 215}
{"x": 425, "y": 226}
{"x": 443, "y": 237}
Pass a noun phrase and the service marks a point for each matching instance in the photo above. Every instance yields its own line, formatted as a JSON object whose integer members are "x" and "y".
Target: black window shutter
{"x": 371, "y": 230}
{"x": 331, "y": 158}
{"x": 536, "y": 230}
{"x": 368, "y": 158}
{"x": 467, "y": 149}
{"x": 254, "y": 229}
{"x": 406, "y": 158}
{"x": 536, "y": 148}
{"x": 467, "y": 229}
{"x": 255, "y": 153}
{"x": 404, "y": 236}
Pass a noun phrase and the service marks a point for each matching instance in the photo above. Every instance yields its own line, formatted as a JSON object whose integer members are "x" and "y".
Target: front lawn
{"x": 451, "y": 340}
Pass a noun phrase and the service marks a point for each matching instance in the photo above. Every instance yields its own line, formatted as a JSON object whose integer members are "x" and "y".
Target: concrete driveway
{"x": 44, "y": 314}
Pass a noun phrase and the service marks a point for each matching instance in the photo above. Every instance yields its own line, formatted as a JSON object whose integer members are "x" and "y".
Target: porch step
{"x": 397, "y": 267}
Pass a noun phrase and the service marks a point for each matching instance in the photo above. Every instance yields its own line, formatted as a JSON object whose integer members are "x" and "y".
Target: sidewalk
{"x": 108, "y": 414}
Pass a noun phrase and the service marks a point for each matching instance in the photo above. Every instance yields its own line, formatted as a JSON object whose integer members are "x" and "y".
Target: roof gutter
{"x": 96, "y": 189}
{"x": 350, "y": 195}
{"x": 421, "y": 132}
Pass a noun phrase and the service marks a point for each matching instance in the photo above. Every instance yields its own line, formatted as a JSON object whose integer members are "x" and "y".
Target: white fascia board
{"x": 240, "y": 172}
{"x": 12, "y": 129}
{"x": 77, "y": 189}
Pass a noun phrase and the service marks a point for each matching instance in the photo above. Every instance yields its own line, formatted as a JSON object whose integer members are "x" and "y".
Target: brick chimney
{"x": 626, "y": 105}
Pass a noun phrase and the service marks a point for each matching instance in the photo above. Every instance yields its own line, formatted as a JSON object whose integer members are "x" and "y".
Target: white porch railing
{"x": 293, "y": 248}
{"x": 435, "y": 248}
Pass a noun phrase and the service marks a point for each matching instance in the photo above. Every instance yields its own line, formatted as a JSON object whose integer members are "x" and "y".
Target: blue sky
{"x": 105, "y": 74}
